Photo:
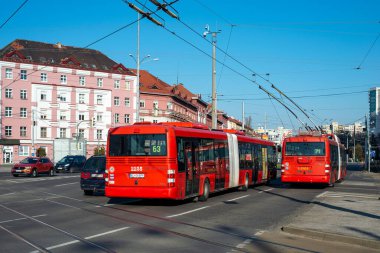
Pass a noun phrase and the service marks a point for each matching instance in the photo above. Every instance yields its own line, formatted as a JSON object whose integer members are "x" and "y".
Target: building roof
{"x": 27, "y": 51}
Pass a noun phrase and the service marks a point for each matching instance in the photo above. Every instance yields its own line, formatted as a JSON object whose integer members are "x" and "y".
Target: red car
{"x": 32, "y": 166}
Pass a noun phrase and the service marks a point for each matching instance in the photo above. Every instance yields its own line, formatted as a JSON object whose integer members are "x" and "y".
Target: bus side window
{"x": 180, "y": 155}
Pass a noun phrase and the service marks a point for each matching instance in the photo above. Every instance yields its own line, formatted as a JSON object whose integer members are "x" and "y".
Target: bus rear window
{"x": 305, "y": 149}
{"x": 137, "y": 145}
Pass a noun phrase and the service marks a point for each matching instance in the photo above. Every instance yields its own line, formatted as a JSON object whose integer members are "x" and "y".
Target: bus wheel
{"x": 206, "y": 191}
{"x": 246, "y": 183}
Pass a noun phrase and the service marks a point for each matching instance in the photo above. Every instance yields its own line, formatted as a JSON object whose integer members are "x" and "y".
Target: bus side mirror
{"x": 279, "y": 149}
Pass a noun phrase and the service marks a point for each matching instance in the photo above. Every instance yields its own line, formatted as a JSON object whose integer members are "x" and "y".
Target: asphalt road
{"x": 51, "y": 214}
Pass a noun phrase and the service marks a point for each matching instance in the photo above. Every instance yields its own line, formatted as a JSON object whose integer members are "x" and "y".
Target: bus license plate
{"x": 303, "y": 168}
{"x": 136, "y": 175}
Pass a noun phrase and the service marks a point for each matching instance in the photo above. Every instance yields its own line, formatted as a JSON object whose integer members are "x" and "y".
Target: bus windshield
{"x": 137, "y": 145}
{"x": 305, "y": 149}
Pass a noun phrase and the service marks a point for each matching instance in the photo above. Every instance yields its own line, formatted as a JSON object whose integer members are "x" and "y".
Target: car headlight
{"x": 28, "y": 167}
{"x": 67, "y": 165}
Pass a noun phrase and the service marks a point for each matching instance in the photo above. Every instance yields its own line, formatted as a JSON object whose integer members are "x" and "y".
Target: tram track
{"x": 139, "y": 223}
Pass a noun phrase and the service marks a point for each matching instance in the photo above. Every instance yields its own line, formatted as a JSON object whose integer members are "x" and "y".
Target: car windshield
{"x": 66, "y": 160}
{"x": 305, "y": 149}
{"x": 95, "y": 164}
{"x": 29, "y": 160}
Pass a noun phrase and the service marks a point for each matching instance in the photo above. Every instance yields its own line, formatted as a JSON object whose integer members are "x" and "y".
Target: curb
{"x": 324, "y": 236}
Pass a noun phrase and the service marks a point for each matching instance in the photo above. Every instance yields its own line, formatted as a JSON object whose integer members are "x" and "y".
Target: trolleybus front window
{"x": 137, "y": 145}
{"x": 305, "y": 149}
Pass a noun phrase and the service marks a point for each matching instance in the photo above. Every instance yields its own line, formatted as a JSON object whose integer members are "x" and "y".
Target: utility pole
{"x": 138, "y": 70}
{"x": 368, "y": 145}
{"x": 33, "y": 125}
{"x": 354, "y": 152}
{"x": 213, "y": 105}
{"x": 243, "y": 114}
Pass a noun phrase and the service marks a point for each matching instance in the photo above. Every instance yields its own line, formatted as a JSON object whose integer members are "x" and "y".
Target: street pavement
{"x": 345, "y": 218}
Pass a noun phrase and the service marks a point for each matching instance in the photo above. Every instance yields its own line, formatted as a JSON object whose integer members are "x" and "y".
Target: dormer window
{"x": 42, "y": 59}
{"x": 29, "y": 57}
{"x": 85, "y": 65}
{"x": 93, "y": 66}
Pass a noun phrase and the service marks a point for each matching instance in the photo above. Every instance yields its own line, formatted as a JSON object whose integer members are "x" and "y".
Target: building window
{"x": 62, "y": 97}
{"x": 81, "y": 117}
{"x": 155, "y": 121}
{"x": 8, "y": 130}
{"x": 99, "y": 99}
{"x": 116, "y": 101}
{"x": 63, "y": 79}
{"x": 23, "y": 150}
{"x": 8, "y": 111}
{"x": 116, "y": 84}
{"x": 8, "y": 73}
{"x": 100, "y": 82}
{"x": 127, "y": 118}
{"x": 22, "y": 131}
{"x": 81, "y": 98}
{"x": 23, "y": 94}
{"x": 43, "y": 77}
{"x": 99, "y": 118}
{"x": 128, "y": 85}
{"x": 99, "y": 134}
{"x": 23, "y": 112}
{"x": 116, "y": 118}
{"x": 43, "y": 116}
{"x": 127, "y": 102}
{"x": 155, "y": 105}
{"x": 169, "y": 106}
{"x": 142, "y": 104}
{"x": 63, "y": 116}
{"x": 43, "y": 96}
{"x": 23, "y": 74}
{"x": 82, "y": 80}
{"x": 81, "y": 133}
{"x": 43, "y": 132}
{"x": 8, "y": 93}
{"x": 62, "y": 133}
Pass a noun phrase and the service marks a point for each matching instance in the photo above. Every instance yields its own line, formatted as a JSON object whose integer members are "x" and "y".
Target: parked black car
{"x": 70, "y": 163}
{"x": 92, "y": 178}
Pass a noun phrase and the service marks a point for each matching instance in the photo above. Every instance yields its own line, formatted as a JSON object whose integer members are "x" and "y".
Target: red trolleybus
{"x": 313, "y": 158}
{"x": 180, "y": 160}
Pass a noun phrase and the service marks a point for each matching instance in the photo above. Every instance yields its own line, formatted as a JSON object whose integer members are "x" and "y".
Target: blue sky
{"x": 309, "y": 48}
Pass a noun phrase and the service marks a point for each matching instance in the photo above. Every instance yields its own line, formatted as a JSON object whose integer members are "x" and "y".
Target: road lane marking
{"x": 62, "y": 204}
{"x": 35, "y": 216}
{"x": 7, "y": 194}
{"x": 337, "y": 195}
{"x": 106, "y": 233}
{"x": 87, "y": 238}
{"x": 191, "y": 211}
{"x": 65, "y": 184}
{"x": 267, "y": 190}
{"x": 322, "y": 194}
{"x": 237, "y": 198}
{"x": 57, "y": 229}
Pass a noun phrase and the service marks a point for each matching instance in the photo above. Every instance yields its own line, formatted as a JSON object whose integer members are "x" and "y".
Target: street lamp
{"x": 138, "y": 63}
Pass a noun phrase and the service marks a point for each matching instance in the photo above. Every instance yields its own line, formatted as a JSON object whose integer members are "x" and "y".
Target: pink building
{"x": 52, "y": 91}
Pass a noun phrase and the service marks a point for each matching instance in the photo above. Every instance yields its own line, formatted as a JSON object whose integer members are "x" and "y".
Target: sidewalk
{"x": 348, "y": 213}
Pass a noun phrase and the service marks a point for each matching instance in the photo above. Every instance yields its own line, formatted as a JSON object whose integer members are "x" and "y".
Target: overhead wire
{"x": 13, "y": 14}
{"x": 368, "y": 51}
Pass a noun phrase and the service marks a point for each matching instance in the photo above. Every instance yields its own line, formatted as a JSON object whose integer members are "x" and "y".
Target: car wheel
{"x": 206, "y": 191}
{"x": 88, "y": 192}
{"x": 51, "y": 172}
{"x": 34, "y": 173}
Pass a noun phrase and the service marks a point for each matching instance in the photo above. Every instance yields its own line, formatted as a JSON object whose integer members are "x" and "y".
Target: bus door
{"x": 264, "y": 154}
{"x": 192, "y": 168}
{"x": 220, "y": 159}
{"x": 256, "y": 162}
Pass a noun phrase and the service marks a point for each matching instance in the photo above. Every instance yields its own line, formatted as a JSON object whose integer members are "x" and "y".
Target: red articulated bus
{"x": 313, "y": 158}
{"x": 180, "y": 160}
